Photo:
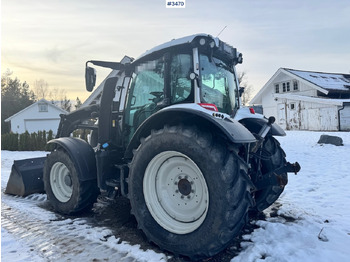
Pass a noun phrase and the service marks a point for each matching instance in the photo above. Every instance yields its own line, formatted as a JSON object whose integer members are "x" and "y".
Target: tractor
{"x": 169, "y": 133}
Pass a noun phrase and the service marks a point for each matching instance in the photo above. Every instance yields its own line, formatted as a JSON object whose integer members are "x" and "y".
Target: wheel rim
{"x": 176, "y": 192}
{"x": 61, "y": 182}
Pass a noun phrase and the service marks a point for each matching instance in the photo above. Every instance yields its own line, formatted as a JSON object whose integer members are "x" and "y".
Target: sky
{"x": 52, "y": 39}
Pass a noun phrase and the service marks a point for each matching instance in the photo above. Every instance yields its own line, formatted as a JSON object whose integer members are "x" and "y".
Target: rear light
{"x": 211, "y": 107}
{"x": 252, "y": 111}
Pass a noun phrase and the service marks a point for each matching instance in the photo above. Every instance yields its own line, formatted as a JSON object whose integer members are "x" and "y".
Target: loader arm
{"x": 76, "y": 119}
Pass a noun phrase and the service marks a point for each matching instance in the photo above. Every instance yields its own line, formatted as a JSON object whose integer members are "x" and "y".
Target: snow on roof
{"x": 175, "y": 42}
{"x": 328, "y": 81}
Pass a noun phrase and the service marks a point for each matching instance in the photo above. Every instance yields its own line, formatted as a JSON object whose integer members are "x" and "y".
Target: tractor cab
{"x": 197, "y": 70}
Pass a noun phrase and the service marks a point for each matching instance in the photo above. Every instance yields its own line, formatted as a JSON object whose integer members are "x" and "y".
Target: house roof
{"x": 36, "y": 103}
{"x": 328, "y": 81}
{"x": 323, "y": 82}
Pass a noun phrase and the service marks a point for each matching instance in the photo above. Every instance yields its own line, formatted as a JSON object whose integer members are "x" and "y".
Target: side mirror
{"x": 241, "y": 91}
{"x": 90, "y": 78}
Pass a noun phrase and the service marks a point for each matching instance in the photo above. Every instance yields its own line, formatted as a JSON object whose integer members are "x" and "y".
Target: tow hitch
{"x": 277, "y": 177}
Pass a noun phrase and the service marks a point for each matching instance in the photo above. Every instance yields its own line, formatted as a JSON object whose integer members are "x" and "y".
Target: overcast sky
{"x": 53, "y": 39}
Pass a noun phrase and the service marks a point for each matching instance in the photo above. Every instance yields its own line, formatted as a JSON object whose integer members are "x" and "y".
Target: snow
{"x": 325, "y": 80}
{"x": 309, "y": 222}
{"x": 176, "y": 42}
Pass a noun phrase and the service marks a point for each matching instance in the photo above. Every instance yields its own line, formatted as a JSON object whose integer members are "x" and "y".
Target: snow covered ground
{"x": 310, "y": 221}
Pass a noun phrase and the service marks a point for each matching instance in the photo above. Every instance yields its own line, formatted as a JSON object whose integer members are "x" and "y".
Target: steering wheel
{"x": 157, "y": 94}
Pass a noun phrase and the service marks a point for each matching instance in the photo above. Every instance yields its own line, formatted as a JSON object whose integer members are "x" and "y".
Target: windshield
{"x": 218, "y": 84}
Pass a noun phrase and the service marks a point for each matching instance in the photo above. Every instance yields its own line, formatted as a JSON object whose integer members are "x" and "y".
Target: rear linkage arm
{"x": 275, "y": 177}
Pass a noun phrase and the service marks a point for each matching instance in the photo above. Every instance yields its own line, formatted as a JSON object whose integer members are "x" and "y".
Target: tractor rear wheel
{"x": 277, "y": 158}
{"x": 66, "y": 193}
{"x": 190, "y": 194}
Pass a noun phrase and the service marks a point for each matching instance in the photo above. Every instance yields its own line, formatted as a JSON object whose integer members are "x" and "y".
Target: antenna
{"x": 221, "y": 31}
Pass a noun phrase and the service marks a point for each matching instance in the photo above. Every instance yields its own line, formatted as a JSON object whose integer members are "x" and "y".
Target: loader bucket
{"x": 26, "y": 177}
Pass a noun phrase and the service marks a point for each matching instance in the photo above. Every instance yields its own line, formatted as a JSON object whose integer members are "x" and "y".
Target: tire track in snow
{"x": 63, "y": 240}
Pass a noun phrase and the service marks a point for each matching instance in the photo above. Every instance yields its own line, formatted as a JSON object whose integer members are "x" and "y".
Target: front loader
{"x": 170, "y": 134}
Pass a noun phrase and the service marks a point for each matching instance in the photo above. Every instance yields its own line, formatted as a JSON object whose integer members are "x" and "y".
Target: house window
{"x": 295, "y": 85}
{"x": 292, "y": 106}
{"x": 288, "y": 86}
{"x": 277, "y": 88}
{"x": 43, "y": 108}
{"x": 284, "y": 87}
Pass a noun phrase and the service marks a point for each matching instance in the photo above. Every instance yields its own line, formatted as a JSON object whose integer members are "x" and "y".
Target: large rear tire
{"x": 66, "y": 193}
{"x": 190, "y": 195}
{"x": 267, "y": 196}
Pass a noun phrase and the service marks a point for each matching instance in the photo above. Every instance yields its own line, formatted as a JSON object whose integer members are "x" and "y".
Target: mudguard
{"x": 81, "y": 153}
{"x": 215, "y": 122}
{"x": 254, "y": 125}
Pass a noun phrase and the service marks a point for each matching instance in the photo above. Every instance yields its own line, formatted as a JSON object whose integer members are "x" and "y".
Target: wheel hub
{"x": 68, "y": 180}
{"x": 184, "y": 186}
{"x": 61, "y": 182}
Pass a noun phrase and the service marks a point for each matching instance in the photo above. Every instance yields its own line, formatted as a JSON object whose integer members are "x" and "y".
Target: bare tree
{"x": 243, "y": 82}
{"x": 57, "y": 94}
{"x": 41, "y": 89}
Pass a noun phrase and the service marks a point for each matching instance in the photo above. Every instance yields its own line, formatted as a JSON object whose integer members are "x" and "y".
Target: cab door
{"x": 146, "y": 91}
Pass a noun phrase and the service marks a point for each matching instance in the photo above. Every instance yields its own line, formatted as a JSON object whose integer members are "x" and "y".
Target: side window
{"x": 146, "y": 91}
{"x": 180, "y": 83}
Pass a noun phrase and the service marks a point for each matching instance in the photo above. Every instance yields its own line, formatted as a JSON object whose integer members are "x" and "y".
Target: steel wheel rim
{"x": 61, "y": 182}
{"x": 176, "y": 192}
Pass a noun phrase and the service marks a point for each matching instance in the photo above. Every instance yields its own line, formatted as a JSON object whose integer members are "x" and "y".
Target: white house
{"x": 42, "y": 115}
{"x": 305, "y": 100}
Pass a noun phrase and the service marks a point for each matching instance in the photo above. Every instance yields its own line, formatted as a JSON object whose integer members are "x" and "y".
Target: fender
{"x": 255, "y": 124}
{"x": 82, "y": 155}
{"x": 231, "y": 129}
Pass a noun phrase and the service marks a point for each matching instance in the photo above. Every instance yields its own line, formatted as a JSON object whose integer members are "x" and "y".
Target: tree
{"x": 78, "y": 103}
{"x": 242, "y": 79}
{"x": 41, "y": 89}
{"x": 15, "y": 96}
{"x": 66, "y": 104}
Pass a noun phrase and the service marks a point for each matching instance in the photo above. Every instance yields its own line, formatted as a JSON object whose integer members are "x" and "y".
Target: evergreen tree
{"x": 66, "y": 104}
{"x": 15, "y": 96}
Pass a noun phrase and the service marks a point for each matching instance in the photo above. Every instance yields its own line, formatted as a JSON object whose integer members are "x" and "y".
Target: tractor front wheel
{"x": 66, "y": 193}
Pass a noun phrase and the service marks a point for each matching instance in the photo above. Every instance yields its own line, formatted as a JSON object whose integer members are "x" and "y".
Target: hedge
{"x": 26, "y": 141}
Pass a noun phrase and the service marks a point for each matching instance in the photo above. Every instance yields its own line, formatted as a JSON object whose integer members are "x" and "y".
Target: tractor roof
{"x": 177, "y": 42}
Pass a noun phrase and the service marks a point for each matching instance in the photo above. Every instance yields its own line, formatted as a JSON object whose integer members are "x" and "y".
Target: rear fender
{"x": 215, "y": 123}
{"x": 82, "y": 155}
{"x": 254, "y": 125}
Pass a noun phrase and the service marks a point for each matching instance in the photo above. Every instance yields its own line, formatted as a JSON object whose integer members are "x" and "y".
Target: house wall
{"x": 32, "y": 120}
{"x": 301, "y": 115}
